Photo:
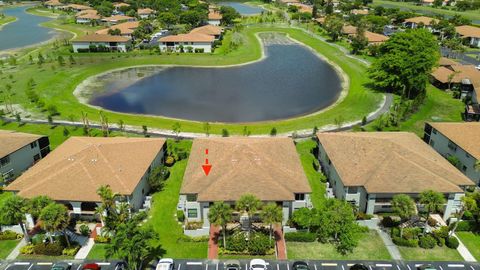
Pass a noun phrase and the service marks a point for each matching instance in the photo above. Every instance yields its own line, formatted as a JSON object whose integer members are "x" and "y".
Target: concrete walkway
{"x": 85, "y": 249}
{"x": 391, "y": 247}
{"x": 16, "y": 251}
{"x": 462, "y": 249}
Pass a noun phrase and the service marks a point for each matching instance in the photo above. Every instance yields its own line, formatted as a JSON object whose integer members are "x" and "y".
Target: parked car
{"x": 61, "y": 266}
{"x": 232, "y": 265}
{"x": 258, "y": 264}
{"x": 165, "y": 264}
{"x": 358, "y": 266}
{"x": 300, "y": 265}
{"x": 426, "y": 267}
{"x": 477, "y": 67}
{"x": 91, "y": 266}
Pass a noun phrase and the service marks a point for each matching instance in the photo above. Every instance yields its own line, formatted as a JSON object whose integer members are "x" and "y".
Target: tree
{"x": 359, "y": 41}
{"x": 60, "y": 60}
{"x": 157, "y": 177}
{"x": 13, "y": 211}
{"x": 404, "y": 206}
{"x": 220, "y": 214}
{"x": 271, "y": 213}
{"x": 176, "y": 127}
{"x": 206, "y": 128}
{"x": 304, "y": 217}
{"x": 432, "y": 201}
{"x": 273, "y": 132}
{"x": 477, "y": 166}
{"x": 36, "y": 204}
{"x": 229, "y": 14}
{"x": 55, "y": 218}
{"x": 333, "y": 26}
{"x": 115, "y": 32}
{"x": 468, "y": 204}
{"x": 248, "y": 204}
{"x": 111, "y": 212}
{"x": 405, "y": 62}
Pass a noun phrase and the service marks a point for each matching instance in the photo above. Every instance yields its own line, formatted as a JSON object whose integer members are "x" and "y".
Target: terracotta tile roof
{"x": 116, "y": 18}
{"x": 374, "y": 37}
{"x": 390, "y": 162}
{"x": 91, "y": 14}
{"x": 447, "y": 62}
{"x": 320, "y": 20}
{"x": 101, "y": 38}
{"x": 208, "y": 29}
{"x": 190, "y": 37}
{"x": 269, "y": 168}
{"x": 120, "y": 4}
{"x": 126, "y": 28}
{"x": 303, "y": 7}
{"x": 79, "y": 166}
{"x": 11, "y": 141}
{"x": 462, "y": 72}
{"x": 468, "y": 31}
{"x": 422, "y": 19}
{"x": 359, "y": 11}
{"x": 213, "y": 15}
{"x": 349, "y": 30}
{"x": 53, "y": 3}
{"x": 145, "y": 11}
{"x": 289, "y": 1}
{"x": 465, "y": 134}
{"x": 77, "y": 7}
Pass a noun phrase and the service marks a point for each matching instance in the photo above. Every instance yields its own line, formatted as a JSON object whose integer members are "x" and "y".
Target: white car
{"x": 258, "y": 264}
{"x": 165, "y": 264}
{"x": 478, "y": 67}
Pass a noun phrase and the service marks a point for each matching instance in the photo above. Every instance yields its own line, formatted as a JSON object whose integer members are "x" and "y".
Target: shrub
{"x": 464, "y": 226}
{"x": 389, "y": 222}
{"x": 10, "y": 235}
{"x": 49, "y": 249}
{"x": 180, "y": 216}
{"x": 259, "y": 244}
{"x": 27, "y": 250}
{"x": 38, "y": 238}
{"x": 199, "y": 50}
{"x": 452, "y": 242}
{"x": 432, "y": 222}
{"x": 441, "y": 233}
{"x": 468, "y": 215}
{"x": 84, "y": 230}
{"x": 72, "y": 251}
{"x": 427, "y": 242}
{"x": 193, "y": 225}
{"x": 101, "y": 239}
{"x": 300, "y": 237}
{"x": 411, "y": 233}
{"x": 237, "y": 242}
{"x": 363, "y": 216}
{"x": 198, "y": 239}
{"x": 405, "y": 242}
{"x": 169, "y": 161}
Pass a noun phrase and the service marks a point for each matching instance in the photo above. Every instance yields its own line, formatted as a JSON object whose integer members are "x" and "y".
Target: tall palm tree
{"x": 55, "y": 218}
{"x": 36, "y": 204}
{"x": 220, "y": 214}
{"x": 271, "y": 214}
{"x": 432, "y": 201}
{"x": 477, "y": 166}
{"x": 13, "y": 211}
{"x": 108, "y": 209}
{"x": 404, "y": 206}
{"x": 248, "y": 204}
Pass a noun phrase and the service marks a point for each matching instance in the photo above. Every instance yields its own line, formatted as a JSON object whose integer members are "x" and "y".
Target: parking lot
{"x": 48, "y": 265}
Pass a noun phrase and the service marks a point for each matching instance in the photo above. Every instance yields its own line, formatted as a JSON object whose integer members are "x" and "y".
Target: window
{"x": 432, "y": 143}
{"x": 191, "y": 197}
{"x": 4, "y": 161}
{"x": 464, "y": 168}
{"x": 467, "y": 155}
{"x": 299, "y": 197}
{"x": 36, "y": 157}
{"x": 192, "y": 213}
{"x": 452, "y": 146}
{"x": 434, "y": 131}
{"x": 33, "y": 145}
{"x": 352, "y": 190}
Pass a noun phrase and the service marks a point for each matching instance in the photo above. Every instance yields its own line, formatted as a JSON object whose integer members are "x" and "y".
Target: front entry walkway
{"x": 391, "y": 247}
{"x": 281, "y": 247}
{"x": 213, "y": 242}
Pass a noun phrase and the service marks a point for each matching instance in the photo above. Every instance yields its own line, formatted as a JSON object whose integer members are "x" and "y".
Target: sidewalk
{"x": 281, "y": 248}
{"x": 213, "y": 242}
{"x": 462, "y": 249}
{"x": 391, "y": 247}
{"x": 16, "y": 251}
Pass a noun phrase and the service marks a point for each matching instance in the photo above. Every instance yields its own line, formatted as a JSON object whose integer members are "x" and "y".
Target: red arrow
{"x": 206, "y": 168}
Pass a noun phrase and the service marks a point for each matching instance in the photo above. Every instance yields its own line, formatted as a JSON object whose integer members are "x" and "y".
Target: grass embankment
{"x": 471, "y": 241}
{"x": 6, "y": 19}
{"x": 162, "y": 215}
{"x": 436, "y": 254}
{"x": 470, "y": 14}
{"x": 370, "y": 247}
{"x": 55, "y": 84}
{"x": 438, "y": 106}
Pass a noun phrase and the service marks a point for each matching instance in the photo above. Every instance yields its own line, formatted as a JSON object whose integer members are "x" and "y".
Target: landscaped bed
{"x": 471, "y": 241}
{"x": 370, "y": 247}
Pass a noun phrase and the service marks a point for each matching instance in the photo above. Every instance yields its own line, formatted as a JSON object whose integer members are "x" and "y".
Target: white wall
{"x": 206, "y": 46}
{"x": 86, "y": 45}
{"x": 214, "y": 22}
{"x": 21, "y": 160}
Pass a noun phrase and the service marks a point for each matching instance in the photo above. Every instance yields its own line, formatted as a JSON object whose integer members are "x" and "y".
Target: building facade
{"x": 99, "y": 42}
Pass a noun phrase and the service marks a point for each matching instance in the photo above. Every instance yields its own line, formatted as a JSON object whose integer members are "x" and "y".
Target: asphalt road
{"x": 272, "y": 265}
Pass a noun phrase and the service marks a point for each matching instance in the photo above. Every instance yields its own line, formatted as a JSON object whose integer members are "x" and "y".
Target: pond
{"x": 290, "y": 81}
{"x": 25, "y": 31}
{"x": 243, "y": 9}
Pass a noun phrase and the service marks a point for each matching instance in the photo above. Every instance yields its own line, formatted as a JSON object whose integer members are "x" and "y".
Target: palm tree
{"x": 108, "y": 206}
{"x": 13, "y": 211}
{"x": 36, "y": 204}
{"x": 272, "y": 214}
{"x": 220, "y": 214}
{"x": 432, "y": 201}
{"x": 403, "y": 205}
{"x": 248, "y": 204}
{"x": 468, "y": 204}
{"x": 55, "y": 218}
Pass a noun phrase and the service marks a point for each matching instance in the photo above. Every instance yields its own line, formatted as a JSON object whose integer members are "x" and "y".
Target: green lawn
{"x": 304, "y": 149}
{"x": 97, "y": 252}
{"x": 163, "y": 220}
{"x": 438, "y": 106}
{"x": 44, "y": 257}
{"x": 471, "y": 241}
{"x": 370, "y": 247}
{"x": 436, "y": 254}
{"x": 6, "y": 246}
{"x": 470, "y": 14}
{"x": 5, "y": 20}
{"x": 55, "y": 84}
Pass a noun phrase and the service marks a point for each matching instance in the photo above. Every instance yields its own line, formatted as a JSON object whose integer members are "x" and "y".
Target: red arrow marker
{"x": 206, "y": 167}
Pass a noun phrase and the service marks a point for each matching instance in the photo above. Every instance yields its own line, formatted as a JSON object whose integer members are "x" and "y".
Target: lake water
{"x": 290, "y": 81}
{"x": 243, "y": 9}
{"x": 25, "y": 31}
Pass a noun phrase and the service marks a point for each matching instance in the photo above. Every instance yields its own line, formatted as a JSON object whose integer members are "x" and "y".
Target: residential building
{"x": 191, "y": 42}
{"x": 116, "y": 19}
{"x": 431, "y": 2}
{"x": 268, "y": 168}
{"x": 97, "y": 42}
{"x": 126, "y": 29}
{"x": 470, "y": 33}
{"x": 210, "y": 30}
{"x": 302, "y": 7}
{"x": 75, "y": 7}
{"x": 54, "y": 4}
{"x": 145, "y": 13}
{"x": 452, "y": 75}
{"x": 459, "y": 140}
{"x": 214, "y": 17}
{"x": 87, "y": 16}
{"x": 118, "y": 7}
{"x": 75, "y": 170}
{"x": 421, "y": 21}
{"x": 349, "y": 30}
{"x": 18, "y": 152}
{"x": 374, "y": 38}
{"x": 368, "y": 168}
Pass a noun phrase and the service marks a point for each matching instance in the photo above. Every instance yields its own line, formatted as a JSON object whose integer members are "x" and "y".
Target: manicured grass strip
{"x": 97, "y": 252}
{"x": 163, "y": 220}
{"x": 5, "y": 20}
{"x": 370, "y": 247}
{"x": 436, "y": 254}
{"x": 304, "y": 149}
{"x": 44, "y": 257}
{"x": 471, "y": 241}
{"x": 470, "y": 14}
{"x": 6, "y": 246}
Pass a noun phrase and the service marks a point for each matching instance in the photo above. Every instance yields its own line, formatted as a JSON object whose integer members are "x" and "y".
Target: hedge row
{"x": 300, "y": 237}
{"x": 10, "y": 235}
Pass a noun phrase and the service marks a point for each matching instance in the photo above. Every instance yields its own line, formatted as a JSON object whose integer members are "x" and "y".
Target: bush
{"x": 101, "y": 239}
{"x": 180, "y": 216}
{"x": 441, "y": 233}
{"x": 49, "y": 249}
{"x": 427, "y": 242}
{"x": 465, "y": 226}
{"x": 432, "y": 222}
{"x": 363, "y": 216}
{"x": 259, "y": 244}
{"x": 193, "y": 225}
{"x": 300, "y": 237}
{"x": 72, "y": 251}
{"x": 237, "y": 242}
{"x": 199, "y": 50}
{"x": 84, "y": 230}
{"x": 169, "y": 161}
{"x": 27, "y": 250}
{"x": 405, "y": 242}
{"x": 411, "y": 233}
{"x": 198, "y": 239}
{"x": 10, "y": 235}
{"x": 389, "y": 222}
{"x": 38, "y": 238}
{"x": 452, "y": 242}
